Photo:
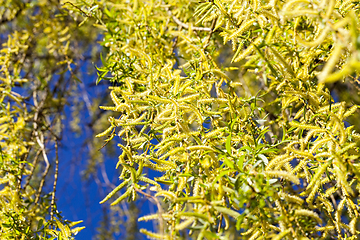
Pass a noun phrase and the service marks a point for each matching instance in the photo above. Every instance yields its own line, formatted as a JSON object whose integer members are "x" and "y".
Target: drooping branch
{"x": 184, "y": 25}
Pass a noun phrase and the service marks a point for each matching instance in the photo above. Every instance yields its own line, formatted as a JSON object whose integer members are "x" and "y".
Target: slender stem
{"x": 184, "y": 25}
{"x": 40, "y": 141}
{"x": 55, "y": 180}
{"x": 161, "y": 223}
{"x": 34, "y": 163}
{"x": 207, "y": 41}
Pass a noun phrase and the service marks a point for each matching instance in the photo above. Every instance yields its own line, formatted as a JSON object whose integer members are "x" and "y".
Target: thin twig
{"x": 161, "y": 223}
{"x": 34, "y": 163}
{"x": 213, "y": 24}
{"x": 79, "y": 9}
{"x": 184, "y": 25}
{"x": 40, "y": 141}
{"x": 22, "y": 164}
{"x": 47, "y": 166}
{"x": 105, "y": 176}
{"x": 55, "y": 180}
{"x": 175, "y": 41}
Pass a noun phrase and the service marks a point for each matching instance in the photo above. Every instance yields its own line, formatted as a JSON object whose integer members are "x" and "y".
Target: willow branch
{"x": 34, "y": 163}
{"x": 184, "y": 25}
{"x": 40, "y": 141}
{"x": 22, "y": 166}
{"x": 47, "y": 164}
{"x": 161, "y": 222}
{"x": 55, "y": 180}
{"x": 207, "y": 41}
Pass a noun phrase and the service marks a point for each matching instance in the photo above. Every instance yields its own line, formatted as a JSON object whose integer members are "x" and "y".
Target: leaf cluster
{"x": 279, "y": 163}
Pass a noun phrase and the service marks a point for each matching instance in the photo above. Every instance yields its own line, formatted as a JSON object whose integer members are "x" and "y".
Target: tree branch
{"x": 184, "y": 25}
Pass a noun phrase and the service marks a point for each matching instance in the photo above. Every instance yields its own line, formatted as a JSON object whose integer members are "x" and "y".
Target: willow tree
{"x": 229, "y": 101}
{"x": 241, "y": 107}
{"x": 41, "y": 52}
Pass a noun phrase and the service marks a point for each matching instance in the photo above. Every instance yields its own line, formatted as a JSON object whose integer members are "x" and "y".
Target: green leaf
{"x": 229, "y": 163}
{"x": 227, "y": 211}
{"x": 240, "y": 162}
{"x": 40, "y": 224}
{"x": 228, "y": 144}
{"x": 210, "y": 235}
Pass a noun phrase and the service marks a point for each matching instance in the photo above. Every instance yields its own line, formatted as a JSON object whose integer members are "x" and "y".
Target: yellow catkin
{"x": 246, "y": 25}
{"x": 114, "y": 98}
{"x": 288, "y": 5}
{"x": 152, "y": 235}
{"x": 159, "y": 99}
{"x": 120, "y": 161}
{"x": 113, "y": 192}
{"x": 156, "y": 167}
{"x": 170, "y": 195}
{"x": 330, "y": 191}
{"x": 282, "y": 60}
{"x": 350, "y": 111}
{"x": 298, "y": 13}
{"x": 148, "y": 180}
{"x": 196, "y": 189}
{"x": 283, "y": 174}
{"x": 181, "y": 184}
{"x": 335, "y": 56}
{"x": 352, "y": 208}
{"x": 318, "y": 174}
{"x": 326, "y": 228}
{"x": 155, "y": 217}
{"x": 122, "y": 197}
{"x": 215, "y": 133}
{"x": 169, "y": 130}
{"x": 104, "y": 133}
{"x": 248, "y": 50}
{"x": 138, "y": 140}
{"x": 352, "y": 225}
{"x": 184, "y": 224}
{"x": 303, "y": 153}
{"x": 129, "y": 85}
{"x": 276, "y": 160}
{"x": 127, "y": 152}
{"x": 348, "y": 147}
{"x": 326, "y": 108}
{"x": 207, "y": 100}
{"x": 164, "y": 147}
{"x": 255, "y": 235}
{"x": 284, "y": 163}
{"x": 200, "y": 147}
{"x": 308, "y": 137}
{"x": 338, "y": 215}
{"x": 107, "y": 108}
{"x": 344, "y": 4}
{"x": 172, "y": 152}
{"x": 282, "y": 234}
{"x": 313, "y": 192}
{"x": 164, "y": 113}
{"x": 189, "y": 98}
{"x": 197, "y": 113}
{"x": 292, "y": 198}
{"x": 163, "y": 162}
{"x": 326, "y": 203}
{"x": 304, "y": 126}
{"x": 308, "y": 213}
{"x": 319, "y": 143}
{"x": 122, "y": 132}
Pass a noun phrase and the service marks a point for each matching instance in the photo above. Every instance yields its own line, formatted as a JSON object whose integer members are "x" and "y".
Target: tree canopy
{"x": 237, "y": 119}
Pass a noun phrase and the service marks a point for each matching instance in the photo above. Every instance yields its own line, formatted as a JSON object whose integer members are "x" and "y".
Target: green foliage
{"x": 249, "y": 144}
